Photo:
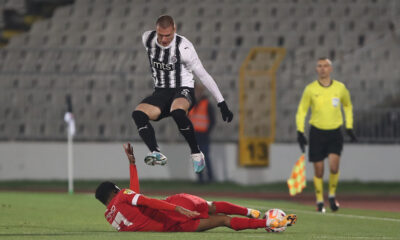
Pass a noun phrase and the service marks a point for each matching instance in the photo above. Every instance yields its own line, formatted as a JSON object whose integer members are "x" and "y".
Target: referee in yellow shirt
{"x": 325, "y": 96}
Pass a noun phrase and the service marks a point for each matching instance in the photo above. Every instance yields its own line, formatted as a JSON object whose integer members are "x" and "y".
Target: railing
{"x": 378, "y": 125}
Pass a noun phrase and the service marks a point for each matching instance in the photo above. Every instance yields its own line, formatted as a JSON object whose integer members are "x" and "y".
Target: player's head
{"x": 324, "y": 67}
{"x": 165, "y": 28}
{"x": 105, "y": 190}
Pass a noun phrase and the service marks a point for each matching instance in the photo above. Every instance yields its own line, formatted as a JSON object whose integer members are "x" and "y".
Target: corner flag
{"x": 297, "y": 180}
{"x": 69, "y": 119}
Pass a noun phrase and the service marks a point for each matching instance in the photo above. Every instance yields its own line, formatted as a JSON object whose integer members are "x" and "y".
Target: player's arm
{"x": 347, "y": 108}
{"x": 137, "y": 199}
{"x": 133, "y": 177}
{"x": 300, "y": 118}
{"x": 162, "y": 205}
{"x": 348, "y": 111}
{"x": 192, "y": 61}
{"x": 302, "y": 110}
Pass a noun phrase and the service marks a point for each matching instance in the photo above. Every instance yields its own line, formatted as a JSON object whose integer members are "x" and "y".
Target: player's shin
{"x": 247, "y": 223}
{"x": 185, "y": 127}
{"x": 230, "y": 208}
{"x": 146, "y": 130}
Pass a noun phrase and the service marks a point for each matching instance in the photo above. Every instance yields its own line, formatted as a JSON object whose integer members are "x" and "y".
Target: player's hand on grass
{"x": 227, "y": 115}
{"x": 301, "y": 139}
{"x": 186, "y": 212}
{"x": 351, "y": 134}
{"x": 129, "y": 153}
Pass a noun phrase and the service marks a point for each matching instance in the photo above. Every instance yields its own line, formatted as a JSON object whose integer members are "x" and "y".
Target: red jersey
{"x": 124, "y": 214}
{"x": 131, "y": 211}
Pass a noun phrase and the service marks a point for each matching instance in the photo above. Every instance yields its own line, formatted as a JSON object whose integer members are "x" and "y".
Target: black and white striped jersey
{"x": 173, "y": 66}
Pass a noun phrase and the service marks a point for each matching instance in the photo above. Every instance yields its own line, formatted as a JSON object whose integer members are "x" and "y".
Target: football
{"x": 275, "y": 214}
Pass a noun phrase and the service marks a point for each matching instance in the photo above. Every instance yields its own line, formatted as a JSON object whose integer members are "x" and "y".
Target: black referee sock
{"x": 146, "y": 131}
{"x": 185, "y": 126}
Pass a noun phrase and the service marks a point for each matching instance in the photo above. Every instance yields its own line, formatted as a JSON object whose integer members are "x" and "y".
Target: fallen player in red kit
{"x": 128, "y": 210}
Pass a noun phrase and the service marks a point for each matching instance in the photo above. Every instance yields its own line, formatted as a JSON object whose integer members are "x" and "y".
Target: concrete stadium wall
{"x": 48, "y": 161}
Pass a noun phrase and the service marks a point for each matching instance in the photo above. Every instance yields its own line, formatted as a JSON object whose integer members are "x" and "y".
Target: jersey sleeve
{"x": 347, "y": 108}
{"x": 133, "y": 178}
{"x": 136, "y": 199}
{"x": 130, "y": 197}
{"x": 145, "y": 35}
{"x": 193, "y": 63}
{"x": 303, "y": 109}
{"x": 155, "y": 203}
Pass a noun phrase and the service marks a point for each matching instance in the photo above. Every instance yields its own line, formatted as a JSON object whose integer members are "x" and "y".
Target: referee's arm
{"x": 303, "y": 109}
{"x": 347, "y": 108}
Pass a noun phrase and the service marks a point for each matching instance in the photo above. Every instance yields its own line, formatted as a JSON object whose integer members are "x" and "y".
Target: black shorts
{"x": 163, "y": 98}
{"x": 324, "y": 142}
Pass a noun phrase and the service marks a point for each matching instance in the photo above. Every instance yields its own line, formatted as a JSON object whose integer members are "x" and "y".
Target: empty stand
{"x": 93, "y": 50}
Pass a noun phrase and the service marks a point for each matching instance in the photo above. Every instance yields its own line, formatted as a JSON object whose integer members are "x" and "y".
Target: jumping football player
{"x": 128, "y": 210}
{"x": 173, "y": 60}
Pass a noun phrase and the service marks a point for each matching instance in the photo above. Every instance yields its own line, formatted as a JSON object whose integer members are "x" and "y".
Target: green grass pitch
{"x": 26, "y": 215}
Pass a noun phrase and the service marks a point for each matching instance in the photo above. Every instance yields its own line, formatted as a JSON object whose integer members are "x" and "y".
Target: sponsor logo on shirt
{"x": 162, "y": 66}
{"x": 128, "y": 191}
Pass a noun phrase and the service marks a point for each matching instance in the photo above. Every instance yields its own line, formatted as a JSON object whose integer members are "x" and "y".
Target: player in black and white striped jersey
{"x": 173, "y": 60}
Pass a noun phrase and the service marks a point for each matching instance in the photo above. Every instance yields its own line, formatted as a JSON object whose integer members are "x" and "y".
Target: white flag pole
{"x": 70, "y": 163}
{"x": 69, "y": 119}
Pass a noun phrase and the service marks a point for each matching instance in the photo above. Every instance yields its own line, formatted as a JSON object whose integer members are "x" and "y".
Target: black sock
{"x": 146, "y": 131}
{"x": 185, "y": 126}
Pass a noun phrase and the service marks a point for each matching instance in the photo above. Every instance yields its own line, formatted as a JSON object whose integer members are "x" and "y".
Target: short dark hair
{"x": 325, "y": 59}
{"x": 104, "y": 190}
{"x": 165, "y": 21}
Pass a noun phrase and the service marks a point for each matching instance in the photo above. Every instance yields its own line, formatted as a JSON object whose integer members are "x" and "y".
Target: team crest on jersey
{"x": 335, "y": 101}
{"x": 185, "y": 92}
{"x": 128, "y": 191}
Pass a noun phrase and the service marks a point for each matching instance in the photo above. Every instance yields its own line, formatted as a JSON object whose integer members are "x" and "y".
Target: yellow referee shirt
{"x": 325, "y": 106}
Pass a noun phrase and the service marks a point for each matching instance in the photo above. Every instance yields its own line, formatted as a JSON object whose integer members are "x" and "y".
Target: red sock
{"x": 229, "y": 208}
{"x": 247, "y": 223}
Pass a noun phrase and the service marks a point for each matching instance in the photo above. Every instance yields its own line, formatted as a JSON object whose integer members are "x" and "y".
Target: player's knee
{"x": 334, "y": 170}
{"x": 140, "y": 118}
{"x": 226, "y": 221}
{"x": 179, "y": 115}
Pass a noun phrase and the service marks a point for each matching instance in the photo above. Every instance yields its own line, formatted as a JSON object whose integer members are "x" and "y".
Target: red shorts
{"x": 181, "y": 223}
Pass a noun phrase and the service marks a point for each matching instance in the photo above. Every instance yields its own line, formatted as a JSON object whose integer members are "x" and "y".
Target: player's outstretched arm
{"x": 129, "y": 153}
{"x": 133, "y": 177}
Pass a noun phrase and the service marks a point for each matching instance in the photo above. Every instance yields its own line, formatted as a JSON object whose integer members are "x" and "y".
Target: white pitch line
{"x": 339, "y": 215}
{"x": 330, "y": 237}
{"x": 354, "y": 237}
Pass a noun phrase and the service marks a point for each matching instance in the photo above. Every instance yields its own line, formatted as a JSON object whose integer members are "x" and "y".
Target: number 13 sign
{"x": 254, "y": 152}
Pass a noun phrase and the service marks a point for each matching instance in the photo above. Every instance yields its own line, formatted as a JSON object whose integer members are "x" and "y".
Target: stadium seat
{"x": 94, "y": 47}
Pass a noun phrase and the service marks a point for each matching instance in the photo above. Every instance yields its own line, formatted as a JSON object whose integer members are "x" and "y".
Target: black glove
{"x": 301, "y": 139}
{"x": 351, "y": 134}
{"x": 227, "y": 115}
